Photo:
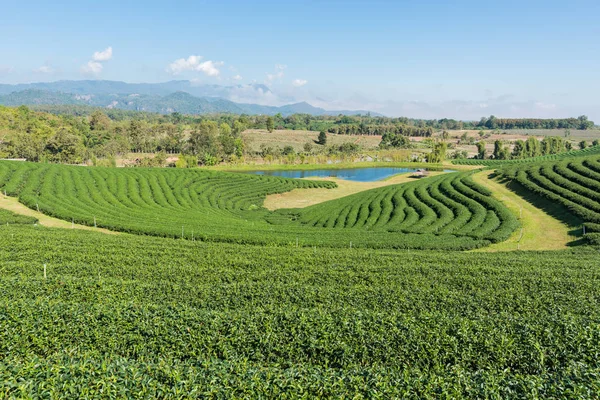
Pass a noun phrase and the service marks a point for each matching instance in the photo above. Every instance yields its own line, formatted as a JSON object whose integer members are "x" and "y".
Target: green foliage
{"x": 481, "y": 150}
{"x": 322, "y": 140}
{"x": 270, "y": 124}
{"x": 451, "y": 204}
{"x": 438, "y": 154}
{"x": 8, "y": 218}
{"x": 572, "y": 183}
{"x": 128, "y": 316}
{"x": 226, "y": 207}
{"x": 392, "y": 140}
{"x": 500, "y": 151}
{"x": 561, "y": 156}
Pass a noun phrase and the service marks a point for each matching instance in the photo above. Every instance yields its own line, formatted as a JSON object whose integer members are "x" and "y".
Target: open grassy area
{"x": 539, "y": 229}
{"x": 281, "y": 138}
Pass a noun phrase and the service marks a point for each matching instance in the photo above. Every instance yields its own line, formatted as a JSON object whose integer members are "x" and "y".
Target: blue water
{"x": 350, "y": 174}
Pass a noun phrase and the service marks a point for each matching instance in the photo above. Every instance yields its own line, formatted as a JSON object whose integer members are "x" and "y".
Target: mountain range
{"x": 185, "y": 97}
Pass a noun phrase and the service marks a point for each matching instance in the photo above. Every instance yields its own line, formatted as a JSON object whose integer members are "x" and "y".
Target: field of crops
{"x": 588, "y": 151}
{"x": 450, "y": 213}
{"x": 9, "y": 218}
{"x": 573, "y": 183}
{"x": 135, "y": 316}
{"x": 447, "y": 204}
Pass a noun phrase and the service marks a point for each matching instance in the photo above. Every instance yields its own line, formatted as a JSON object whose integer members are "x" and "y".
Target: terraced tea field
{"x": 451, "y": 212}
{"x": 572, "y": 183}
{"x": 314, "y": 302}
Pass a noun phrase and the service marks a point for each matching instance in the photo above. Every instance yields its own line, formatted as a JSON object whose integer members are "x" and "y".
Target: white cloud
{"x": 95, "y": 66}
{"x": 299, "y": 82}
{"x": 44, "y": 69}
{"x": 194, "y": 63}
{"x": 92, "y": 68}
{"x": 103, "y": 55}
{"x": 278, "y": 73}
{"x": 238, "y": 77}
{"x": 5, "y": 69}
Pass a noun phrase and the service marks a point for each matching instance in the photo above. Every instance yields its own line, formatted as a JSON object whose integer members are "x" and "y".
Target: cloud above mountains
{"x": 299, "y": 82}
{"x": 95, "y": 66}
{"x": 195, "y": 63}
{"x": 104, "y": 55}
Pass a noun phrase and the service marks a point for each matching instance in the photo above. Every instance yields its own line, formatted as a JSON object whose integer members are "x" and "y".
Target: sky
{"x": 423, "y": 59}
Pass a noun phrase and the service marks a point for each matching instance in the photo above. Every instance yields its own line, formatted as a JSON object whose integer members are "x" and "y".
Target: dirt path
{"x": 540, "y": 230}
{"x": 300, "y": 198}
{"x": 12, "y": 204}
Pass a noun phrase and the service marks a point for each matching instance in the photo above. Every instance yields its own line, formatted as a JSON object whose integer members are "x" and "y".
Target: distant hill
{"x": 175, "y": 96}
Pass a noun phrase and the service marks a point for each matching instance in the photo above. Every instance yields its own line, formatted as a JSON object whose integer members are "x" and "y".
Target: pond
{"x": 350, "y": 174}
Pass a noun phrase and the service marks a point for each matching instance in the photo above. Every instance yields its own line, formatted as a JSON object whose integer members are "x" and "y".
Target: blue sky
{"x": 461, "y": 59}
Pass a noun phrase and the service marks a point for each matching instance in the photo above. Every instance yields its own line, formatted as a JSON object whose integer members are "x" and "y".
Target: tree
{"x": 438, "y": 154}
{"x": 287, "y": 150}
{"x": 596, "y": 142}
{"x": 582, "y": 144}
{"x": 238, "y": 128}
{"x": 65, "y": 147}
{"x": 322, "y": 138}
{"x": 308, "y": 147}
{"x": 500, "y": 151}
{"x": 481, "y": 150}
{"x": 518, "y": 150}
{"x": 270, "y": 124}
{"x": 532, "y": 147}
{"x": 204, "y": 139}
{"x": 226, "y": 139}
{"x": 445, "y": 135}
{"x": 99, "y": 121}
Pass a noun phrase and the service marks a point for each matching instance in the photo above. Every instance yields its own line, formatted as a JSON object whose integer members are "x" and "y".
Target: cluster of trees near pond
{"x": 75, "y": 134}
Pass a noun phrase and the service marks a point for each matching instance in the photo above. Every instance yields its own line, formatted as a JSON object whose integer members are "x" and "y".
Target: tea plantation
{"x": 572, "y": 183}
{"x": 451, "y": 213}
{"x": 206, "y": 294}
{"x": 142, "y": 317}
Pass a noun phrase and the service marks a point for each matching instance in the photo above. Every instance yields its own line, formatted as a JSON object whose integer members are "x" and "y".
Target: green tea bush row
{"x": 588, "y": 151}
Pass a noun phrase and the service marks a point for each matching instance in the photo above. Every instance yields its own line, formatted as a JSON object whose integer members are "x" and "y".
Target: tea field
{"x": 450, "y": 213}
{"x": 143, "y": 317}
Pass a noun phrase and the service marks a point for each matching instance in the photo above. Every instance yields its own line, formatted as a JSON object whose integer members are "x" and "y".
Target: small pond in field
{"x": 350, "y": 174}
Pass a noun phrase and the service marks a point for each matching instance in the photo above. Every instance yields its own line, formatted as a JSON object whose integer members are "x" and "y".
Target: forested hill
{"x": 165, "y": 98}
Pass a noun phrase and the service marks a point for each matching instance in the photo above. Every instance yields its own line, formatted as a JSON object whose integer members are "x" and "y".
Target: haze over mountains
{"x": 181, "y": 96}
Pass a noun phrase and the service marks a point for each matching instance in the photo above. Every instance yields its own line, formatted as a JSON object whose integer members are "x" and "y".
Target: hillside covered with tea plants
{"x": 451, "y": 212}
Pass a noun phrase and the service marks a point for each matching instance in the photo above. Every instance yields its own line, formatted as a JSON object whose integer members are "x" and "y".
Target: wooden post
{"x": 584, "y": 229}
{"x": 44, "y": 271}
{"x": 350, "y": 244}
{"x": 37, "y": 206}
{"x": 95, "y": 226}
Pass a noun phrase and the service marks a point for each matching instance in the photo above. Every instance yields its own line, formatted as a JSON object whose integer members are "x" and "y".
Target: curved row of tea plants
{"x": 447, "y": 204}
{"x": 141, "y": 317}
{"x": 588, "y": 151}
{"x": 9, "y": 217}
{"x": 219, "y": 206}
{"x": 575, "y": 184}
